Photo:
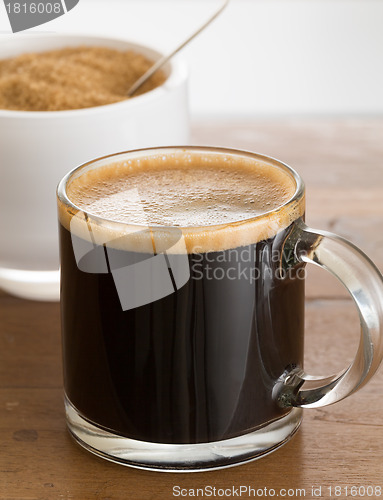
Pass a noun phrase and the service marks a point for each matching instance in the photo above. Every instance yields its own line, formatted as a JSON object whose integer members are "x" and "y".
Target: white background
{"x": 262, "y": 57}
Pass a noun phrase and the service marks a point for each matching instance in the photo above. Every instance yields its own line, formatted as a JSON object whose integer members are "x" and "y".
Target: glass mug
{"x": 183, "y": 347}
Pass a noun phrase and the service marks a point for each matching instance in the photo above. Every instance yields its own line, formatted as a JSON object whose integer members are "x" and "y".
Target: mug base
{"x": 182, "y": 457}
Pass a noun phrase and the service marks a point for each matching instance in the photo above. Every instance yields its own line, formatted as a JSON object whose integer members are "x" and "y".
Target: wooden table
{"x": 339, "y": 446}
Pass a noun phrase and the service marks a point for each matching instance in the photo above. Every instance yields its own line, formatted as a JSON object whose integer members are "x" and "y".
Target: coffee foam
{"x": 203, "y": 202}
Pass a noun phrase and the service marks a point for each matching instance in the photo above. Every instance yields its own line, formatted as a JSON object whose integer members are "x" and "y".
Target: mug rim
{"x": 178, "y": 73}
{"x": 104, "y": 160}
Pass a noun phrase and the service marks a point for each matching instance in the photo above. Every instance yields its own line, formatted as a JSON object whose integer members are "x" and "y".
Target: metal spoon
{"x": 165, "y": 59}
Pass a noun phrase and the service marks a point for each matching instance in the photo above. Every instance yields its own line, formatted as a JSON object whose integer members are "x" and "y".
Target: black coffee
{"x": 199, "y": 363}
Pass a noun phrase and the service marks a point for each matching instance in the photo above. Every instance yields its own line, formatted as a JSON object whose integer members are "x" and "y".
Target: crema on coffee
{"x": 210, "y": 197}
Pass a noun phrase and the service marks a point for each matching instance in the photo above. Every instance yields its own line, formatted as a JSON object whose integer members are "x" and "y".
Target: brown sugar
{"x": 72, "y": 78}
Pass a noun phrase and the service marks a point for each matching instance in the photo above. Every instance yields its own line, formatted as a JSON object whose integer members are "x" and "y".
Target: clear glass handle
{"x": 365, "y": 285}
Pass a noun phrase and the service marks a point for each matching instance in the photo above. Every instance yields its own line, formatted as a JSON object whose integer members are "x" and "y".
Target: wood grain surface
{"x": 338, "y": 446}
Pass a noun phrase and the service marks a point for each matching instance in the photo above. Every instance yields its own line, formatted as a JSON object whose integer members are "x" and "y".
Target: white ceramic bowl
{"x": 38, "y": 148}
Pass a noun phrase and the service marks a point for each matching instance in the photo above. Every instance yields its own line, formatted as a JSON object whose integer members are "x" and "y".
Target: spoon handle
{"x": 166, "y": 58}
